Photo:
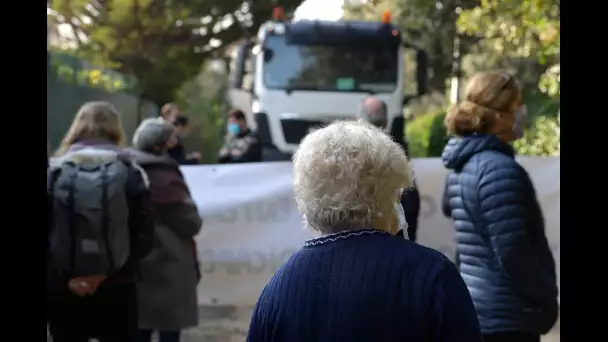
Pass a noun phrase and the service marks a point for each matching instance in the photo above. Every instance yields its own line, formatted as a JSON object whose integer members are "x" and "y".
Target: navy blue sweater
{"x": 367, "y": 286}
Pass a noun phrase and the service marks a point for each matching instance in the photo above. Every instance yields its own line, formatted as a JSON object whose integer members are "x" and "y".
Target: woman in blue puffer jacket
{"x": 503, "y": 252}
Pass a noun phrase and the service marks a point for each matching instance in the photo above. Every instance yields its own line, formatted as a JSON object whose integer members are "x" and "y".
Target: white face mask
{"x": 518, "y": 125}
{"x": 400, "y": 214}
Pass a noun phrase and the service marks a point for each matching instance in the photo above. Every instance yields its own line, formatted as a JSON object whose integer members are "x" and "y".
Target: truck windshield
{"x": 330, "y": 68}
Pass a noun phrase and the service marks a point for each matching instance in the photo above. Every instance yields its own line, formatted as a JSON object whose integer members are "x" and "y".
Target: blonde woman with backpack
{"x": 100, "y": 227}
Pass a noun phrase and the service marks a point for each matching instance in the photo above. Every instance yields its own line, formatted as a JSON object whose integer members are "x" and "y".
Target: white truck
{"x": 297, "y": 76}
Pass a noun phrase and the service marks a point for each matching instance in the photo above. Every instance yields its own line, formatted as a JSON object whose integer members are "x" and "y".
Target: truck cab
{"x": 300, "y": 75}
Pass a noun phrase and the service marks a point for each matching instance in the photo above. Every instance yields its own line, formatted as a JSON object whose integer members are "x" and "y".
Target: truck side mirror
{"x": 422, "y": 73}
{"x": 422, "y": 70}
{"x": 242, "y": 56}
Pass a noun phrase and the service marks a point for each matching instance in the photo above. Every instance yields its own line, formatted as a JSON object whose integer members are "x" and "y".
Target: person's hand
{"x": 83, "y": 286}
{"x": 224, "y": 151}
{"x": 196, "y": 156}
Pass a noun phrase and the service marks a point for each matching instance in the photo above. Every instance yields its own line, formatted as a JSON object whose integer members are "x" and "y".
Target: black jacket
{"x": 178, "y": 153}
{"x": 410, "y": 201}
{"x": 243, "y": 148}
{"x": 504, "y": 255}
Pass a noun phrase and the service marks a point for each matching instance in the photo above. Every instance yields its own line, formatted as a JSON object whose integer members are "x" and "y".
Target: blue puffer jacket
{"x": 505, "y": 259}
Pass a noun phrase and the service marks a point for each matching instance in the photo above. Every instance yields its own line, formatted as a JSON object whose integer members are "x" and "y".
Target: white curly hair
{"x": 346, "y": 174}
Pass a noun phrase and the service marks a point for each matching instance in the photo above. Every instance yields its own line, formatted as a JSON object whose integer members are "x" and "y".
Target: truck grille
{"x": 295, "y": 130}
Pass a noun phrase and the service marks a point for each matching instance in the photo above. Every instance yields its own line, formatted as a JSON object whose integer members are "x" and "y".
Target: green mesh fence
{"x": 67, "y": 90}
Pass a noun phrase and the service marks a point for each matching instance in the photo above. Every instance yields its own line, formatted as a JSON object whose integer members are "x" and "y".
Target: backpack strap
{"x": 105, "y": 214}
{"x": 132, "y": 164}
{"x": 71, "y": 202}
{"x": 142, "y": 172}
{"x": 55, "y": 172}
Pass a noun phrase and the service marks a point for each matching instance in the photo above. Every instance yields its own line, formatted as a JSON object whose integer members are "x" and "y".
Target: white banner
{"x": 252, "y": 225}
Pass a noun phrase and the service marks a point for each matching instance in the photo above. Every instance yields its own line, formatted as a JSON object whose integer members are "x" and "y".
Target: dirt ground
{"x": 229, "y": 324}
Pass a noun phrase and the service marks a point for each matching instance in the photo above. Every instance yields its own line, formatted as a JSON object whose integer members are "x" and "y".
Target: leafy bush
{"x": 205, "y": 108}
{"x": 433, "y": 102}
{"x": 540, "y": 104}
{"x": 438, "y": 137}
{"x": 426, "y": 135}
{"x": 549, "y": 82}
{"x": 542, "y": 136}
{"x": 541, "y": 139}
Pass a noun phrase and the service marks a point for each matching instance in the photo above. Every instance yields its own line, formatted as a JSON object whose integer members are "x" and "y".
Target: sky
{"x": 320, "y": 9}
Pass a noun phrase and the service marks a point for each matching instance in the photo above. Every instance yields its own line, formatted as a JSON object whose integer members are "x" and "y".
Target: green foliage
{"x": 205, "y": 106}
{"x": 162, "y": 43}
{"x": 541, "y": 139}
{"x": 438, "y": 136}
{"x": 424, "y": 135}
{"x": 70, "y": 69}
{"x": 542, "y": 136}
{"x": 522, "y": 36}
{"x": 433, "y": 102}
{"x": 549, "y": 81}
{"x": 540, "y": 104}
{"x": 520, "y": 28}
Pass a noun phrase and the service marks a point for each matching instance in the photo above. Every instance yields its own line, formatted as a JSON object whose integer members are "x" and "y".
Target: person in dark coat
{"x": 359, "y": 282}
{"x": 503, "y": 251}
{"x": 169, "y": 274}
{"x": 178, "y": 151}
{"x": 374, "y": 111}
{"x": 171, "y": 113}
{"x": 110, "y": 313}
{"x": 241, "y": 144}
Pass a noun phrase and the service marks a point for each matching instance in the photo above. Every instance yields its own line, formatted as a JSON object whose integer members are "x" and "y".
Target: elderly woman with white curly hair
{"x": 358, "y": 281}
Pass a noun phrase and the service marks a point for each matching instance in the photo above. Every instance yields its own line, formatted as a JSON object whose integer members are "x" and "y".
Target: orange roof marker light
{"x": 386, "y": 17}
{"x": 278, "y": 14}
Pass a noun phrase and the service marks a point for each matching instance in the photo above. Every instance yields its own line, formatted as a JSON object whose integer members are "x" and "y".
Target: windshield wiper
{"x": 289, "y": 90}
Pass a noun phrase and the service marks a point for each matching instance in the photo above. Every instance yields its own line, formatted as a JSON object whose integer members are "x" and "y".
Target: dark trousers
{"x": 163, "y": 336}
{"x": 108, "y": 315}
{"x": 511, "y": 337}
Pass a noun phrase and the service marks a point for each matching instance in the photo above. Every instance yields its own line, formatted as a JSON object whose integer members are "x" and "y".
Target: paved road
{"x": 229, "y": 324}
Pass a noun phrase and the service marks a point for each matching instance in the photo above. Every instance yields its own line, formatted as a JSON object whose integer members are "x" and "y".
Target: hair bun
{"x": 469, "y": 117}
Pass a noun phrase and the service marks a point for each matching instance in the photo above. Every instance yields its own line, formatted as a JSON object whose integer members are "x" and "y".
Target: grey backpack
{"x": 90, "y": 234}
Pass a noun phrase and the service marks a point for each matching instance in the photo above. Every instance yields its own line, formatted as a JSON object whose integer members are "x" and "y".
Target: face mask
{"x": 233, "y": 128}
{"x": 518, "y": 123}
{"x": 400, "y": 213}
